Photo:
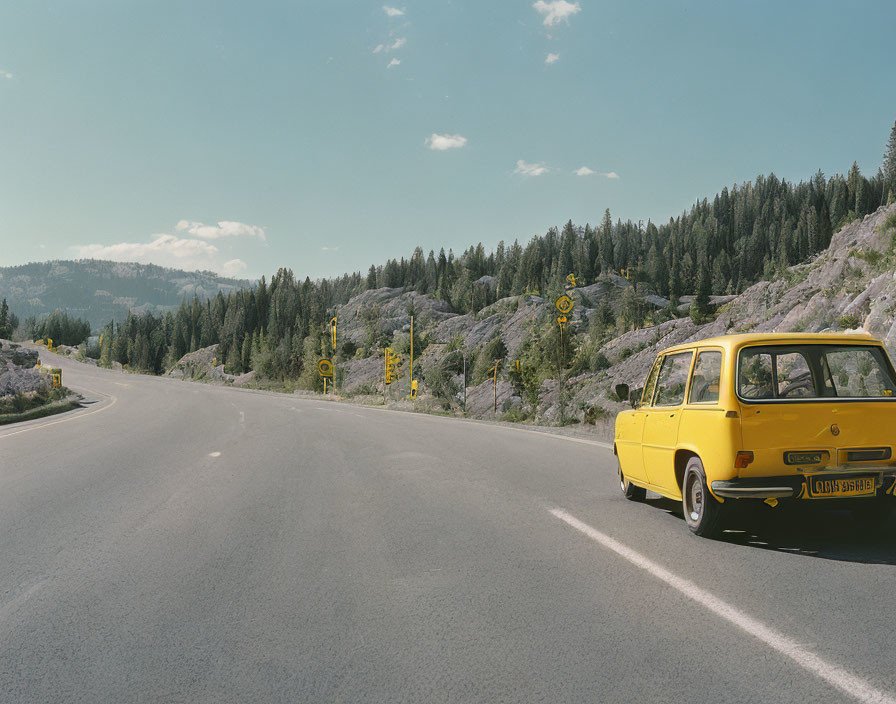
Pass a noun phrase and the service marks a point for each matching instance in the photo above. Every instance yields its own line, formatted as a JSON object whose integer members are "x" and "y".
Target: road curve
{"x": 177, "y": 542}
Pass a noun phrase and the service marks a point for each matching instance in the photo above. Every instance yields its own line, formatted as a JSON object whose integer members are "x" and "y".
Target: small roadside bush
{"x": 848, "y": 322}
{"x": 599, "y": 362}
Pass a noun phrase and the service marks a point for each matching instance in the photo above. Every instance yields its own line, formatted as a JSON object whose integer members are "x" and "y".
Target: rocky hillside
{"x": 851, "y": 285}
{"x": 203, "y": 365}
{"x": 100, "y": 291}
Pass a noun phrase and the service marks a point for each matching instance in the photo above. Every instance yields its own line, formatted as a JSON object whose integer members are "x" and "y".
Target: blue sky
{"x": 243, "y": 137}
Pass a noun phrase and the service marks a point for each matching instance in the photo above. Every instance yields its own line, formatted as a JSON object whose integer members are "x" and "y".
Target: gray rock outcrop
{"x": 17, "y": 371}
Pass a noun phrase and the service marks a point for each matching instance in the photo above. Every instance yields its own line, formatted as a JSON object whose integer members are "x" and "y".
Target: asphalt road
{"x": 177, "y": 542}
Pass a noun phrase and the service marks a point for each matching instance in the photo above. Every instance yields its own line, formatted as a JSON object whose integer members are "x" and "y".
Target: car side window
{"x": 706, "y": 377}
{"x": 672, "y": 379}
{"x": 650, "y": 385}
{"x": 755, "y": 378}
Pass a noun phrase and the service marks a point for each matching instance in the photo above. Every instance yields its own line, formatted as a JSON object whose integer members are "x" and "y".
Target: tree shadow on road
{"x": 805, "y": 529}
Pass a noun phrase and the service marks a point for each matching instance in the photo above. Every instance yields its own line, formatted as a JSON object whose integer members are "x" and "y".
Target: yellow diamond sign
{"x": 325, "y": 368}
{"x": 564, "y": 304}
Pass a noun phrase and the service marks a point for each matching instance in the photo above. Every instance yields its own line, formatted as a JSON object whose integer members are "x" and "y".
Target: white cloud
{"x": 191, "y": 251}
{"x": 392, "y": 11}
{"x": 394, "y": 46}
{"x": 329, "y": 249}
{"x": 551, "y": 58}
{"x": 394, "y": 62}
{"x": 233, "y": 268}
{"x": 5, "y": 74}
{"x": 583, "y": 171}
{"x": 525, "y": 169}
{"x": 441, "y": 142}
{"x": 612, "y": 175}
{"x": 165, "y": 250}
{"x": 225, "y": 228}
{"x": 556, "y": 11}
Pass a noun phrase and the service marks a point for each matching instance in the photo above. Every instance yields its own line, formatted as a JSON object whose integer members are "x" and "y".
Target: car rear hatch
{"x": 806, "y": 408}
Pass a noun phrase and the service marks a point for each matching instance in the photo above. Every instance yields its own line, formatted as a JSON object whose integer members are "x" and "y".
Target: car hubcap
{"x": 695, "y": 499}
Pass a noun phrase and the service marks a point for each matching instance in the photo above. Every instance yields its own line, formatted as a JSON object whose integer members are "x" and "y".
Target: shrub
{"x": 593, "y": 413}
{"x": 515, "y": 415}
{"x": 872, "y": 256}
{"x": 599, "y": 361}
{"x": 848, "y": 322}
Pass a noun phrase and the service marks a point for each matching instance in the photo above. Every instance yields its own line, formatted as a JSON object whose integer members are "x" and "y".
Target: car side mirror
{"x": 622, "y": 392}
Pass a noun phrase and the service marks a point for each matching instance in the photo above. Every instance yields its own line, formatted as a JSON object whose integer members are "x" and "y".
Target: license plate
{"x": 829, "y": 487}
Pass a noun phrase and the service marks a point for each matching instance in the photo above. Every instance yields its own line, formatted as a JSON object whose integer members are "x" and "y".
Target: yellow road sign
{"x": 561, "y": 319}
{"x": 414, "y": 389}
{"x": 391, "y": 364}
{"x": 333, "y": 323}
{"x": 571, "y": 279}
{"x": 564, "y": 304}
{"x": 325, "y": 368}
{"x": 516, "y": 364}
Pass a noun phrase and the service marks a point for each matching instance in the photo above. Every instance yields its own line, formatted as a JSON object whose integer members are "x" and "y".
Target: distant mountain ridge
{"x": 100, "y": 291}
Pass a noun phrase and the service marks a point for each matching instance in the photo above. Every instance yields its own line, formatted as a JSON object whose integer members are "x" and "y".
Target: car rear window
{"x": 794, "y": 372}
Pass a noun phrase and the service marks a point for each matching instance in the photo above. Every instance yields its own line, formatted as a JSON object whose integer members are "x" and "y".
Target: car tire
{"x": 703, "y": 513}
{"x": 631, "y": 491}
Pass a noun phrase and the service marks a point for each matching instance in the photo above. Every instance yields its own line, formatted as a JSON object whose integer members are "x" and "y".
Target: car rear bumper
{"x": 792, "y": 486}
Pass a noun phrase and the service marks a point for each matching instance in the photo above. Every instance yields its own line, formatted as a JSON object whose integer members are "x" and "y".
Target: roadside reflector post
{"x": 494, "y": 371}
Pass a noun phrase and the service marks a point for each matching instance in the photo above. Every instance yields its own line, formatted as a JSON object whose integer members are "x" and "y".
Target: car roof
{"x": 731, "y": 342}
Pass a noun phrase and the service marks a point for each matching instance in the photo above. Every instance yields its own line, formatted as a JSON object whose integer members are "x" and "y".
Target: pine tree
{"x": 5, "y": 327}
{"x": 890, "y": 160}
{"x": 371, "y": 277}
{"x": 701, "y": 308}
{"x": 606, "y": 242}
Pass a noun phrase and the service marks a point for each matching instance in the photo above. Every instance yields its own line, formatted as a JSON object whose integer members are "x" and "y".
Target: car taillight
{"x": 744, "y": 457}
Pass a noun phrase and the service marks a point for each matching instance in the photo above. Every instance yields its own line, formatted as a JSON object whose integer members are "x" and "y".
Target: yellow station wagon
{"x": 769, "y": 417}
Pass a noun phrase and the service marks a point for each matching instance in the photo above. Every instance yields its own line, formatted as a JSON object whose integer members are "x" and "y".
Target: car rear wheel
{"x": 629, "y": 490}
{"x": 702, "y": 511}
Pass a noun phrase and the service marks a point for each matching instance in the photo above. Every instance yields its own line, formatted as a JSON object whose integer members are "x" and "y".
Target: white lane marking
{"x": 836, "y": 676}
{"x": 214, "y": 454}
{"x": 77, "y": 416}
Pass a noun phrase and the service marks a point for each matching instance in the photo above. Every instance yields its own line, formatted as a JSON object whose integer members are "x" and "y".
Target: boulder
{"x": 17, "y": 371}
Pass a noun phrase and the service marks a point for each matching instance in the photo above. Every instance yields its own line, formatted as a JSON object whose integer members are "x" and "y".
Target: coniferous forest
{"x": 720, "y": 246}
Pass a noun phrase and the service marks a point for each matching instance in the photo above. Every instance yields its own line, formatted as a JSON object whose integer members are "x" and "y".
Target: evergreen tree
{"x": 606, "y": 242}
{"x": 5, "y": 327}
{"x": 889, "y": 165}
